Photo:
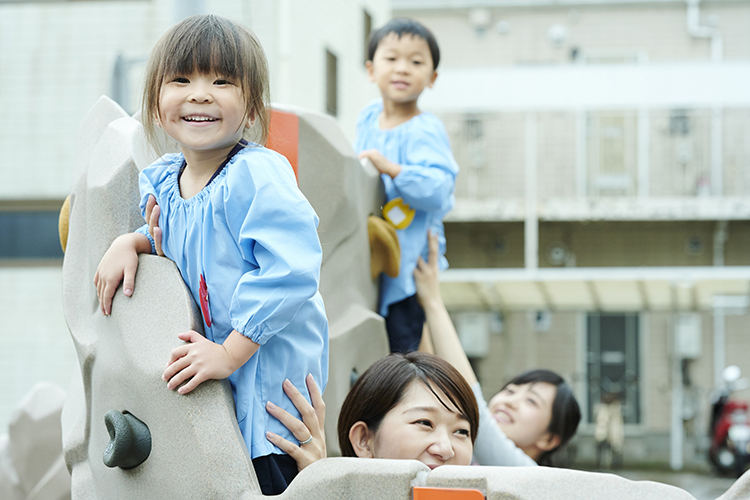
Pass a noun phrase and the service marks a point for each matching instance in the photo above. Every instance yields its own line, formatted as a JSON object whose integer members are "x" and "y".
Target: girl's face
{"x": 524, "y": 412}
{"x": 203, "y": 113}
{"x": 418, "y": 428}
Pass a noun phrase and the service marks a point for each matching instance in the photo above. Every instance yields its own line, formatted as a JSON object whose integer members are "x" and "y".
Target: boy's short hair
{"x": 401, "y": 26}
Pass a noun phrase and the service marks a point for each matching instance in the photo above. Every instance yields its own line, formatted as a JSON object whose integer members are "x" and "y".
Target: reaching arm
{"x": 444, "y": 337}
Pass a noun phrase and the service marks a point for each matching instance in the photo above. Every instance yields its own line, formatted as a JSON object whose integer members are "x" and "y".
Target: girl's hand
{"x": 200, "y": 360}
{"x": 426, "y": 273}
{"x": 152, "y": 217}
{"x": 119, "y": 263}
{"x": 312, "y": 424}
{"x": 383, "y": 164}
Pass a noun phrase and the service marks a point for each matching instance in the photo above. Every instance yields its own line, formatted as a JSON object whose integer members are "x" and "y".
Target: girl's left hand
{"x": 200, "y": 360}
{"x": 312, "y": 424}
{"x": 152, "y": 217}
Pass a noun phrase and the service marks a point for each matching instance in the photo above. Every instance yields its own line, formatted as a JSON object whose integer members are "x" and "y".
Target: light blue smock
{"x": 426, "y": 182}
{"x": 252, "y": 234}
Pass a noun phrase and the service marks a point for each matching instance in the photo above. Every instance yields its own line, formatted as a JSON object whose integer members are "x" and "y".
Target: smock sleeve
{"x": 276, "y": 231}
{"x": 428, "y": 176}
{"x": 492, "y": 446}
{"x": 154, "y": 180}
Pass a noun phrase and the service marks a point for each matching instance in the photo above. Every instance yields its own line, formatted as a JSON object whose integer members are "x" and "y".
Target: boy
{"x": 412, "y": 152}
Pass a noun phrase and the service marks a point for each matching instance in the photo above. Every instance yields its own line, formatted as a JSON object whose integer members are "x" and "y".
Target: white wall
{"x": 35, "y": 344}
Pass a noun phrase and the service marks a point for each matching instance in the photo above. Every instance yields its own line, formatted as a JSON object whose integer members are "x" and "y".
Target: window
{"x": 30, "y": 234}
{"x": 367, "y": 30}
{"x": 331, "y": 86}
{"x": 613, "y": 367}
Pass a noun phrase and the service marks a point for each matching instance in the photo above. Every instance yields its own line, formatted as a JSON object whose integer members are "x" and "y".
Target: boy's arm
{"x": 119, "y": 263}
{"x": 427, "y": 176}
{"x": 202, "y": 360}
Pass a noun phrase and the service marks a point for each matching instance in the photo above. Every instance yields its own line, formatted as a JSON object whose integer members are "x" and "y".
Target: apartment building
{"x": 601, "y": 223}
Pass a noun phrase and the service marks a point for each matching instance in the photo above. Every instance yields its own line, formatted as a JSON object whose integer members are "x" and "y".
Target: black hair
{"x": 383, "y": 385}
{"x": 404, "y": 26}
{"x": 566, "y": 414}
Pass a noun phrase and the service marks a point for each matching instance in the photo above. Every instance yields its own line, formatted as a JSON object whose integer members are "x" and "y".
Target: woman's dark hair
{"x": 404, "y": 26}
{"x": 566, "y": 414}
{"x": 204, "y": 44}
{"x": 382, "y": 386}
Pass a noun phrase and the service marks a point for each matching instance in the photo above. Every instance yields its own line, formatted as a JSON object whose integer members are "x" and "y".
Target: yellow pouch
{"x": 398, "y": 213}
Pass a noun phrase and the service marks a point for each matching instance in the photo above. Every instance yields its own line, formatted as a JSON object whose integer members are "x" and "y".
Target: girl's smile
{"x": 204, "y": 113}
{"x": 524, "y": 413}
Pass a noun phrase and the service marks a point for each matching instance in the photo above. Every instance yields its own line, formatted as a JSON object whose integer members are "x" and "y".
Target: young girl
{"x": 243, "y": 236}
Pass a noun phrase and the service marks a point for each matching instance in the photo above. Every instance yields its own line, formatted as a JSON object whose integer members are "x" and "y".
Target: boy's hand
{"x": 383, "y": 164}
{"x": 152, "y": 217}
{"x": 202, "y": 360}
{"x": 119, "y": 263}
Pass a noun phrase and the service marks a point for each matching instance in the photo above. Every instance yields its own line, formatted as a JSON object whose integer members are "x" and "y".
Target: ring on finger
{"x": 306, "y": 441}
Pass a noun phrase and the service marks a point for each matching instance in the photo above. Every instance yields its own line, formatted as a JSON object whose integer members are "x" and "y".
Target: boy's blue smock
{"x": 252, "y": 234}
{"x": 426, "y": 182}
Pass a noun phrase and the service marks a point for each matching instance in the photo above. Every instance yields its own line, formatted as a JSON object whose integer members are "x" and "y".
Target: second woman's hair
{"x": 209, "y": 44}
{"x": 566, "y": 414}
{"x": 382, "y": 386}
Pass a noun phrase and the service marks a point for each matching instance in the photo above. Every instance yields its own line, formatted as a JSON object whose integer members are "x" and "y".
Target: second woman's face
{"x": 524, "y": 413}
{"x": 421, "y": 428}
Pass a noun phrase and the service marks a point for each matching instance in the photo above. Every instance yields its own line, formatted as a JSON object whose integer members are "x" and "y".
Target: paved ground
{"x": 702, "y": 485}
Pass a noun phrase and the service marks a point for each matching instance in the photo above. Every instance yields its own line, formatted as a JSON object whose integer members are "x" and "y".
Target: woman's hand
{"x": 426, "y": 274}
{"x": 311, "y": 426}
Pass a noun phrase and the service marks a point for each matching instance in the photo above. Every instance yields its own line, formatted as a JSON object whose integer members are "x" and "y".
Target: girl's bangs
{"x": 217, "y": 53}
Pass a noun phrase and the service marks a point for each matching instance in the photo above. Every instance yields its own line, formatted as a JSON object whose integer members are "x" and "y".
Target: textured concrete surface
{"x": 31, "y": 461}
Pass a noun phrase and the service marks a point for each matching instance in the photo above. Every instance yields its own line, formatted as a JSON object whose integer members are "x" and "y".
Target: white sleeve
{"x": 492, "y": 446}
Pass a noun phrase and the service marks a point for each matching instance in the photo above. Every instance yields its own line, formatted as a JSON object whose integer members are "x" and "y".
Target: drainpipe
{"x": 696, "y": 29}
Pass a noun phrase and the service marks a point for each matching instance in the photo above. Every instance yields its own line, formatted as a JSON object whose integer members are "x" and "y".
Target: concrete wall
{"x": 605, "y": 33}
{"x": 597, "y": 243}
{"x": 34, "y": 342}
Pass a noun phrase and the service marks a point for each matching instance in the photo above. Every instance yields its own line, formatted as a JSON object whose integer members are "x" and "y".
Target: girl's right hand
{"x": 119, "y": 263}
{"x": 152, "y": 217}
{"x": 312, "y": 424}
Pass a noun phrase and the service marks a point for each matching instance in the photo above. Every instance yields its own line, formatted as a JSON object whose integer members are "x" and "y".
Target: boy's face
{"x": 402, "y": 67}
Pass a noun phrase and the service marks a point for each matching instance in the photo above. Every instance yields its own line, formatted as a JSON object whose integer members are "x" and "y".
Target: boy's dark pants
{"x": 404, "y": 324}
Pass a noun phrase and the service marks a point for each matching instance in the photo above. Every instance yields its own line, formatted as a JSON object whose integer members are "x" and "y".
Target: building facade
{"x": 601, "y": 223}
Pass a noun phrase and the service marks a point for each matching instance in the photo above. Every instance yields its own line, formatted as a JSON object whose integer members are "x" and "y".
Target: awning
{"x": 592, "y": 289}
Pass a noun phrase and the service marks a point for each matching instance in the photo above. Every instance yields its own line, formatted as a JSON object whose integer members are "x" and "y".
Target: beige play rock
{"x": 192, "y": 447}
{"x": 31, "y": 461}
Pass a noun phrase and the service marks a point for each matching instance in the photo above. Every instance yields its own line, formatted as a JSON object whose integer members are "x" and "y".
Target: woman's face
{"x": 524, "y": 413}
{"x": 420, "y": 428}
